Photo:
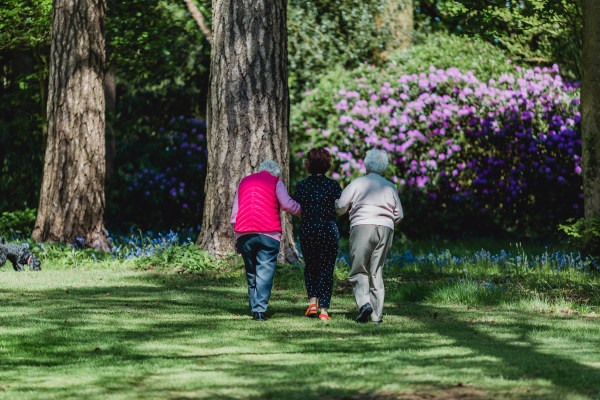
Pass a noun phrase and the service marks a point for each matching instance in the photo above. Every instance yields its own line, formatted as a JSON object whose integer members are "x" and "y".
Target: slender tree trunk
{"x": 41, "y": 57}
{"x": 590, "y": 108}
{"x": 72, "y": 194}
{"x": 397, "y": 17}
{"x": 110, "y": 98}
{"x": 248, "y": 110}
{"x": 199, "y": 18}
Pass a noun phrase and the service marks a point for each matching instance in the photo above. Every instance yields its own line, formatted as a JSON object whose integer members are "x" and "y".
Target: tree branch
{"x": 199, "y": 18}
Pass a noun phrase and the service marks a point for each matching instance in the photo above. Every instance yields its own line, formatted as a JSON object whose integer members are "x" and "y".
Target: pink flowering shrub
{"x": 507, "y": 150}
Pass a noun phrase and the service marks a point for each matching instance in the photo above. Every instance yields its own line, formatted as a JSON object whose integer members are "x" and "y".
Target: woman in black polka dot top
{"x": 319, "y": 236}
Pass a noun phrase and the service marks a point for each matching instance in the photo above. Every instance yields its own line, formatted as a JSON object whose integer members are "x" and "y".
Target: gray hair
{"x": 271, "y": 167}
{"x": 376, "y": 161}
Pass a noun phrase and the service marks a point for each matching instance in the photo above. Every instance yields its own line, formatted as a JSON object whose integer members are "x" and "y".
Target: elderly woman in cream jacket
{"x": 374, "y": 208}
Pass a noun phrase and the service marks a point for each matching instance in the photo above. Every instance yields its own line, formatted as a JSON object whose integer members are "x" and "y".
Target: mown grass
{"x": 106, "y": 330}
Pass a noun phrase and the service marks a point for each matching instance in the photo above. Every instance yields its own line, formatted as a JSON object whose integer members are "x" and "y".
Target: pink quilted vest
{"x": 258, "y": 206}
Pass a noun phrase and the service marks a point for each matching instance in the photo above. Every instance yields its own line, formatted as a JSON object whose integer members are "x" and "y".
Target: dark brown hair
{"x": 318, "y": 161}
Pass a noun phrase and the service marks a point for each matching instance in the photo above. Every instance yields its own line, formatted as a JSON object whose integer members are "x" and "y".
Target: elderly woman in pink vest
{"x": 374, "y": 208}
{"x": 257, "y": 229}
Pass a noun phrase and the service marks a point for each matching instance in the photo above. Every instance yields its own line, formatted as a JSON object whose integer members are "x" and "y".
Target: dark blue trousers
{"x": 260, "y": 257}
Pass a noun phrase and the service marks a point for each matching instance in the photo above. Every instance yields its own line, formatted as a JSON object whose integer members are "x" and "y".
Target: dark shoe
{"x": 260, "y": 316}
{"x": 364, "y": 313}
{"x": 378, "y": 322}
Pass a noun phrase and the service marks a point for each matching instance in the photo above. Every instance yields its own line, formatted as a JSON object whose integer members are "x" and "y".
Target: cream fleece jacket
{"x": 371, "y": 200}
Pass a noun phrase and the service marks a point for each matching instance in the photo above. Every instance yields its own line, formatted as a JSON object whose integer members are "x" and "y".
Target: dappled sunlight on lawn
{"x": 129, "y": 334}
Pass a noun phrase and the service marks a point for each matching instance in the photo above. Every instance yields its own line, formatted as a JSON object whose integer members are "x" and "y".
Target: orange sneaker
{"x": 312, "y": 311}
{"x": 324, "y": 317}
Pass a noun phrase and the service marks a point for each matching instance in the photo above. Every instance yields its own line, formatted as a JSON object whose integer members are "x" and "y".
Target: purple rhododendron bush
{"x": 467, "y": 156}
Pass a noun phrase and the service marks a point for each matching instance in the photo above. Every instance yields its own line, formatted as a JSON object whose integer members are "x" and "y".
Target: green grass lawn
{"x": 127, "y": 334}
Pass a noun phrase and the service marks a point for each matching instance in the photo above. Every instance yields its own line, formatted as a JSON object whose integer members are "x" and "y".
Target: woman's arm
{"x": 234, "y": 209}
{"x": 344, "y": 203}
{"x": 398, "y": 213}
{"x": 337, "y": 192}
{"x": 285, "y": 201}
{"x": 298, "y": 193}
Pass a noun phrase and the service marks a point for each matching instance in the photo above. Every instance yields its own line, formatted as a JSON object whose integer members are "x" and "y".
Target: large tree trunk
{"x": 248, "y": 110}
{"x": 72, "y": 194}
{"x": 590, "y": 108}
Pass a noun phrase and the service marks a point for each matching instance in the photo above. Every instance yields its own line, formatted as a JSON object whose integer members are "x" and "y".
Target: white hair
{"x": 376, "y": 161}
{"x": 271, "y": 167}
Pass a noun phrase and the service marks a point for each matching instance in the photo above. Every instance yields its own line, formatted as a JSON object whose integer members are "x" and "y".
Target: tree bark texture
{"x": 590, "y": 108}
{"x": 248, "y": 111}
{"x": 72, "y": 195}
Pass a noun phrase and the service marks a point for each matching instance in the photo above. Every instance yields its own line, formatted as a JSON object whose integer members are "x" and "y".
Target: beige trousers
{"x": 369, "y": 245}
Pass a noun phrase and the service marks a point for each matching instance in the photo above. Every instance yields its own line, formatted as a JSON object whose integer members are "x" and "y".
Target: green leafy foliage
{"x": 21, "y": 142}
{"x": 323, "y": 33}
{"x": 532, "y": 32}
{"x": 448, "y": 51}
{"x": 24, "y": 24}
{"x": 160, "y": 59}
{"x": 17, "y": 223}
{"x": 186, "y": 258}
{"x": 24, "y": 46}
{"x": 147, "y": 251}
{"x": 584, "y": 232}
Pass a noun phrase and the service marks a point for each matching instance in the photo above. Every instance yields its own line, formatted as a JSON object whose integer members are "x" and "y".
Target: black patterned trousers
{"x": 319, "y": 242}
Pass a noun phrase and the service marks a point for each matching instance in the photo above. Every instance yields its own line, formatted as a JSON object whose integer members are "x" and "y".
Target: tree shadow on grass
{"x": 518, "y": 358}
{"x": 183, "y": 322}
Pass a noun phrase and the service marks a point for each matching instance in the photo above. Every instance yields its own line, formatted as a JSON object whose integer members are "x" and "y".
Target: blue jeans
{"x": 260, "y": 257}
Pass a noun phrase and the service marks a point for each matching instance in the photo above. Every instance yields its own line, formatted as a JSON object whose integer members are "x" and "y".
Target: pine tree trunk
{"x": 248, "y": 110}
{"x": 590, "y": 108}
{"x": 72, "y": 194}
